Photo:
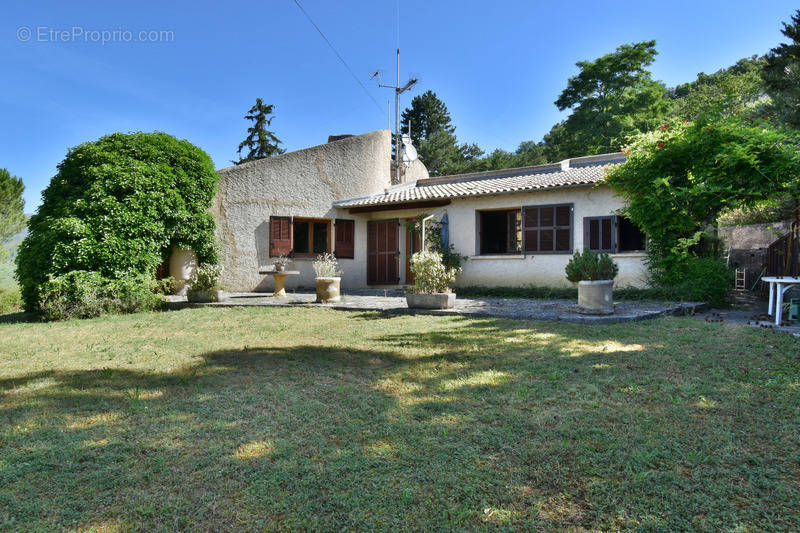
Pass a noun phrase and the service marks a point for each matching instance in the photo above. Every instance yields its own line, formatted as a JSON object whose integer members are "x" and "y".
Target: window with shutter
{"x": 612, "y": 234}
{"x": 599, "y": 234}
{"x": 344, "y": 244}
{"x": 500, "y": 231}
{"x": 280, "y": 236}
{"x": 547, "y": 228}
{"x": 312, "y": 236}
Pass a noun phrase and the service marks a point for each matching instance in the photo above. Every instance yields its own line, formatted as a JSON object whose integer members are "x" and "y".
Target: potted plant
{"x": 204, "y": 284}
{"x": 594, "y": 273}
{"x": 433, "y": 281}
{"x": 328, "y": 278}
{"x": 281, "y": 262}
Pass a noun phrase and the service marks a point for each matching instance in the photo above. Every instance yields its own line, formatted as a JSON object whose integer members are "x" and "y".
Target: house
{"x": 516, "y": 226}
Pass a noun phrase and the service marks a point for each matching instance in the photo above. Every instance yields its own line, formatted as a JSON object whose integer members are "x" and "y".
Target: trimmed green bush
{"x": 696, "y": 279}
{"x": 10, "y": 300}
{"x": 114, "y": 211}
{"x": 82, "y": 294}
{"x": 591, "y": 266}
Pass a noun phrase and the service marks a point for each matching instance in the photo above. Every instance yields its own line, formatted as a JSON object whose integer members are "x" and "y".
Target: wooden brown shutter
{"x": 530, "y": 229}
{"x": 345, "y": 245}
{"x": 280, "y": 236}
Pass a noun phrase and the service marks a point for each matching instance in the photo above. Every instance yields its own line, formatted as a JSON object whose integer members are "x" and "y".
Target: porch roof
{"x": 573, "y": 172}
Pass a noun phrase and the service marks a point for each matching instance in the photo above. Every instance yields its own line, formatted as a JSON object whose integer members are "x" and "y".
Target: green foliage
{"x": 116, "y": 208}
{"x": 431, "y": 275}
{"x": 434, "y": 135}
{"x": 434, "y": 240}
{"x": 611, "y": 98}
{"x": 82, "y": 294}
{"x": 679, "y": 178}
{"x": 591, "y": 266}
{"x": 772, "y": 210}
{"x": 206, "y": 277}
{"x": 693, "y": 278}
{"x": 735, "y": 89}
{"x": 781, "y": 74}
{"x": 10, "y": 299}
{"x": 260, "y": 141}
{"x": 12, "y": 217}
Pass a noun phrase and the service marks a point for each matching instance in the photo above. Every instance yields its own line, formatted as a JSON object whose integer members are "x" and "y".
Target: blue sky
{"x": 497, "y": 65}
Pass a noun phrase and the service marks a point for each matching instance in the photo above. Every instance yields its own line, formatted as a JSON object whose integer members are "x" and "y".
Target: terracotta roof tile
{"x": 574, "y": 172}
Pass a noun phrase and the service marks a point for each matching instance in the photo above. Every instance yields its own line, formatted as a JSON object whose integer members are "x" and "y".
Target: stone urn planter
{"x": 205, "y": 296}
{"x": 436, "y": 300}
{"x": 328, "y": 289}
{"x": 596, "y": 297}
{"x": 182, "y": 265}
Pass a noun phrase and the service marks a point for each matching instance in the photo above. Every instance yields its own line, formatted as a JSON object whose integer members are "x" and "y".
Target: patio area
{"x": 393, "y": 301}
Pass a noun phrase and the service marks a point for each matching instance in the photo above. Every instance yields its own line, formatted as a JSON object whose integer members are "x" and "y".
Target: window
{"x": 612, "y": 234}
{"x": 311, "y": 237}
{"x": 345, "y": 238}
{"x": 547, "y": 228}
{"x": 500, "y": 231}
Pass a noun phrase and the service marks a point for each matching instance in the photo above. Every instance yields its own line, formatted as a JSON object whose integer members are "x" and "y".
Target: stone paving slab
{"x": 393, "y": 301}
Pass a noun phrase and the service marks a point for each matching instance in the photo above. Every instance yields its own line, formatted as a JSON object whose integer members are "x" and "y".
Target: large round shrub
{"x": 116, "y": 208}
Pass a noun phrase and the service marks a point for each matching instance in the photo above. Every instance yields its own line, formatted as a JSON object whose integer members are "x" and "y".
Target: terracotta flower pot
{"x": 328, "y": 290}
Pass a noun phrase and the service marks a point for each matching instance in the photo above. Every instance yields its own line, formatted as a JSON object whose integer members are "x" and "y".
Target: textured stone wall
{"x": 304, "y": 183}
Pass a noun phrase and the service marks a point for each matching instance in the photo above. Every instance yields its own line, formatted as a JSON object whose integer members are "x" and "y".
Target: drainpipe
{"x": 422, "y": 246}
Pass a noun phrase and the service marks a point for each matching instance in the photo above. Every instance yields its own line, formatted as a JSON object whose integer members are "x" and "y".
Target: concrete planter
{"x": 328, "y": 290}
{"x": 201, "y": 296}
{"x": 437, "y": 300}
{"x": 182, "y": 264}
{"x": 596, "y": 297}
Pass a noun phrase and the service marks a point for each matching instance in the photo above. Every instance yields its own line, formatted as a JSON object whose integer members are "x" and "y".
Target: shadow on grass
{"x": 478, "y": 425}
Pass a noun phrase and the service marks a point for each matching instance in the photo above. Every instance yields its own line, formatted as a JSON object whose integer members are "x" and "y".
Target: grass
{"x": 314, "y": 419}
{"x": 9, "y": 291}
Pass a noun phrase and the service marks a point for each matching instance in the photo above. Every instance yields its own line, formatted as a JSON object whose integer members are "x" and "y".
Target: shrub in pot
{"x": 328, "y": 278}
{"x": 281, "y": 263}
{"x": 204, "y": 284}
{"x": 594, "y": 273}
{"x": 433, "y": 282}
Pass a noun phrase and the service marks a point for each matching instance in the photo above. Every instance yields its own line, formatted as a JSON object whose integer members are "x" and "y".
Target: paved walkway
{"x": 393, "y": 301}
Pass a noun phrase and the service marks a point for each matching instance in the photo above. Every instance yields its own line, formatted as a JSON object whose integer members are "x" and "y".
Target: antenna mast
{"x": 397, "y": 92}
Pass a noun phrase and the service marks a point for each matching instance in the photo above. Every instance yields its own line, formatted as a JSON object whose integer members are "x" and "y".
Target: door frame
{"x": 411, "y": 248}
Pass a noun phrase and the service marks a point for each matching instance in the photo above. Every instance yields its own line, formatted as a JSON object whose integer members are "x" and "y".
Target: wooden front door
{"x": 383, "y": 251}
{"x": 413, "y": 245}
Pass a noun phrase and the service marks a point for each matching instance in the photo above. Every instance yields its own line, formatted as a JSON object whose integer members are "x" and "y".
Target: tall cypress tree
{"x": 260, "y": 141}
{"x": 12, "y": 218}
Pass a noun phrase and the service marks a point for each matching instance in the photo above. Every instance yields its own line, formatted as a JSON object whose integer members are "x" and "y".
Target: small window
{"x": 311, "y": 237}
{"x": 501, "y": 232}
{"x": 547, "y": 228}
{"x": 612, "y": 234}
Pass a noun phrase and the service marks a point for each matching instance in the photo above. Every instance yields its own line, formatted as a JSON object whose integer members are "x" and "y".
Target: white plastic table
{"x": 781, "y": 285}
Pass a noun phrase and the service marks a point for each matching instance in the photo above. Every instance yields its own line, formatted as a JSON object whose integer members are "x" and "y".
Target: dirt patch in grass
{"x": 276, "y": 419}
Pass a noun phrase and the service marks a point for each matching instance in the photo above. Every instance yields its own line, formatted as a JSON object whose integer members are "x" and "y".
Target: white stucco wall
{"x": 304, "y": 183}
{"x": 505, "y": 270}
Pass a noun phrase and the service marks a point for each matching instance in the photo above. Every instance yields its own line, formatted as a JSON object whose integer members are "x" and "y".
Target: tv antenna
{"x": 398, "y": 90}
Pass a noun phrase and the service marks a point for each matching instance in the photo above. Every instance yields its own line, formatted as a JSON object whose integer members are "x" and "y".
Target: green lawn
{"x": 314, "y": 419}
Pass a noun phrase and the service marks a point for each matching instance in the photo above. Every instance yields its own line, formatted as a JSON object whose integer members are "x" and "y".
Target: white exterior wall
{"x": 304, "y": 183}
{"x": 508, "y": 270}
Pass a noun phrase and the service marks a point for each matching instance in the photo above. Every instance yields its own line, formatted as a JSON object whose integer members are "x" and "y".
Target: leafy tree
{"x": 679, "y": 178}
{"x": 736, "y": 89}
{"x": 12, "y": 217}
{"x": 116, "y": 207}
{"x": 260, "y": 141}
{"x": 782, "y": 74}
{"x": 611, "y": 98}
